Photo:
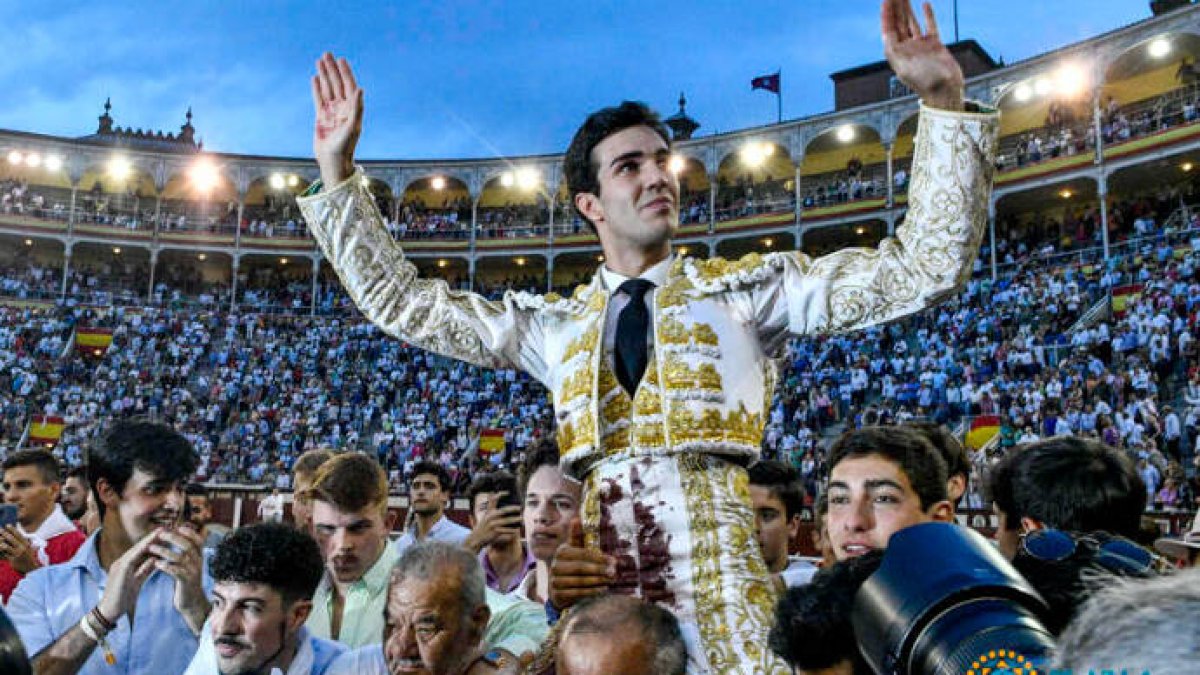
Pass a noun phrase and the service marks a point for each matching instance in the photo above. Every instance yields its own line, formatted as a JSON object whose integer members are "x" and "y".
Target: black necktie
{"x": 632, "y": 325}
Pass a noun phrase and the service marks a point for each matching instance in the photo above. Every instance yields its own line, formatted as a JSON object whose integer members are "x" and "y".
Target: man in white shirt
{"x": 270, "y": 509}
{"x": 428, "y": 496}
{"x": 264, "y": 576}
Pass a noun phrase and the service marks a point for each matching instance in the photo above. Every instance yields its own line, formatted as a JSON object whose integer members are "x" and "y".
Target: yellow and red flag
{"x": 45, "y": 430}
{"x": 490, "y": 441}
{"x": 983, "y": 429}
{"x": 1123, "y": 296}
{"x": 93, "y": 341}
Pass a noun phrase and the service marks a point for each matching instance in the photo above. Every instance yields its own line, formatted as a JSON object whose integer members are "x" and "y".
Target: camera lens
{"x": 944, "y": 602}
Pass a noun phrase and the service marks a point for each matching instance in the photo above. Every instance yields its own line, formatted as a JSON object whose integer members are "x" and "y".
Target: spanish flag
{"x": 490, "y": 441}
{"x": 93, "y": 341}
{"x": 45, "y": 430}
{"x": 1123, "y": 296}
{"x": 983, "y": 429}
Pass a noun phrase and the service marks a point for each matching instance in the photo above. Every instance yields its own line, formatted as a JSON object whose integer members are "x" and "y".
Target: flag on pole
{"x": 45, "y": 430}
{"x": 768, "y": 82}
{"x": 983, "y": 429}
{"x": 491, "y": 441}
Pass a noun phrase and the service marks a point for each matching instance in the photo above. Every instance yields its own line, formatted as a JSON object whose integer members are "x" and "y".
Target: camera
{"x": 945, "y": 602}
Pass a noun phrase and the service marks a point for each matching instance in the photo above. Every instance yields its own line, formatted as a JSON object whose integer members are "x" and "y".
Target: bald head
{"x": 621, "y": 634}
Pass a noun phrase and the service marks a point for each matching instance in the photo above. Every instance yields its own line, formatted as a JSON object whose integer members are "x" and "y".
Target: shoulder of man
{"x": 366, "y": 660}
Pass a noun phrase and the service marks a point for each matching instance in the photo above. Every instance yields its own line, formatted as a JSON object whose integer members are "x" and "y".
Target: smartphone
{"x": 507, "y": 499}
{"x": 8, "y": 515}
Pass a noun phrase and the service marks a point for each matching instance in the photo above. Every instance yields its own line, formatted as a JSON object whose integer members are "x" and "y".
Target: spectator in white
{"x": 1150, "y": 626}
{"x": 1172, "y": 431}
{"x": 428, "y": 495}
{"x": 441, "y": 618}
{"x": 496, "y": 531}
{"x": 264, "y": 576}
{"x": 1184, "y": 550}
{"x": 42, "y": 535}
{"x": 777, "y": 496}
{"x": 270, "y": 509}
{"x": 551, "y": 502}
{"x": 139, "y": 559}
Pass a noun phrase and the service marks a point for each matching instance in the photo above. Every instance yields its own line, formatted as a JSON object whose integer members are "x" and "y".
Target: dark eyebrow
{"x": 883, "y": 482}
{"x": 636, "y": 154}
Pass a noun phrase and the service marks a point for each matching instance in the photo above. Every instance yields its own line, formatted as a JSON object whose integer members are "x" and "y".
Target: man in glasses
{"x": 1069, "y": 508}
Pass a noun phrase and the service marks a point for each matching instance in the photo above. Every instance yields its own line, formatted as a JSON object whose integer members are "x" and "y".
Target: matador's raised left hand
{"x": 918, "y": 57}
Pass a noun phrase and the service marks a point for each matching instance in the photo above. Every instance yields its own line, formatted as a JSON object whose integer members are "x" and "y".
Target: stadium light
{"x": 1066, "y": 194}
{"x": 119, "y": 168}
{"x": 15, "y": 157}
{"x": 33, "y": 160}
{"x": 860, "y": 230}
{"x": 676, "y": 164}
{"x": 442, "y": 263}
{"x": 845, "y": 133}
{"x": 507, "y": 179}
{"x": 277, "y": 181}
{"x": 683, "y": 250}
{"x": 768, "y": 242}
{"x": 204, "y": 175}
{"x": 116, "y": 250}
{"x": 754, "y": 153}
{"x": 1159, "y": 47}
{"x": 1023, "y": 93}
{"x": 437, "y": 183}
{"x": 202, "y": 257}
{"x": 54, "y": 163}
{"x": 1070, "y": 80}
{"x": 520, "y": 262}
{"x": 29, "y": 242}
{"x": 1186, "y": 166}
{"x": 600, "y": 258}
{"x": 283, "y": 261}
{"x": 528, "y": 178}
{"x": 293, "y": 180}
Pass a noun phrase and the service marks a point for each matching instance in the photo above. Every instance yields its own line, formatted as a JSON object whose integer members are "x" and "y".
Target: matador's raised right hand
{"x": 339, "y": 109}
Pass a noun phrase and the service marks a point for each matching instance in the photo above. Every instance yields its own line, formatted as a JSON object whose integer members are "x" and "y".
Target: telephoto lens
{"x": 945, "y": 602}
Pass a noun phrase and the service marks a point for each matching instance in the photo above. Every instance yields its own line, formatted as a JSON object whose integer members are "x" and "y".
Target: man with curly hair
{"x": 264, "y": 577}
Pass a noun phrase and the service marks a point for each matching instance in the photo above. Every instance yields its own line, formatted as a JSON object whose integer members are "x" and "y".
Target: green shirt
{"x": 362, "y": 611}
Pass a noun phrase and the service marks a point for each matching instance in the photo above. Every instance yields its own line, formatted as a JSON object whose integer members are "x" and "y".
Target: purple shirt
{"x": 493, "y": 580}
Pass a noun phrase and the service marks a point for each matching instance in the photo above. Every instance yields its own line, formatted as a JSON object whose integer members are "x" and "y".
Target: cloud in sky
{"x": 463, "y": 78}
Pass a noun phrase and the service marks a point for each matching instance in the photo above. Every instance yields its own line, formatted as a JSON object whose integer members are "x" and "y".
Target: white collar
{"x": 657, "y": 274}
{"x": 55, "y": 524}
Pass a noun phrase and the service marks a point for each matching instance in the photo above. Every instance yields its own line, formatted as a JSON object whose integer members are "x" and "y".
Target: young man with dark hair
{"x": 264, "y": 577}
{"x": 199, "y": 514}
{"x": 1065, "y": 483}
{"x": 74, "y": 495}
{"x": 813, "y": 631}
{"x": 496, "y": 531}
{"x": 881, "y": 480}
{"x": 428, "y": 496}
{"x": 777, "y": 496}
{"x": 551, "y": 502}
{"x": 662, "y": 422}
{"x": 351, "y": 521}
{"x": 78, "y": 617}
{"x": 43, "y": 534}
{"x": 302, "y": 476}
{"x": 958, "y": 462}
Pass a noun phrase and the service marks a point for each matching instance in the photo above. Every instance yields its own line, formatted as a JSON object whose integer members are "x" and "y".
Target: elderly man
{"x": 441, "y": 620}
{"x": 662, "y": 366}
{"x": 618, "y": 634}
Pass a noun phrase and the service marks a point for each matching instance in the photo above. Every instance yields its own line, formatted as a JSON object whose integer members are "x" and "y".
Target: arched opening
{"x": 734, "y": 248}
{"x": 434, "y": 207}
{"x": 107, "y": 274}
{"x": 275, "y": 283}
{"x": 30, "y": 267}
{"x": 496, "y": 274}
{"x": 514, "y": 204}
{"x": 116, "y": 196}
{"x": 199, "y": 278}
{"x": 271, "y": 211}
{"x": 201, "y": 199}
{"x": 843, "y": 164}
{"x": 758, "y": 178}
{"x": 1151, "y": 87}
{"x": 1047, "y": 220}
{"x": 821, "y": 241}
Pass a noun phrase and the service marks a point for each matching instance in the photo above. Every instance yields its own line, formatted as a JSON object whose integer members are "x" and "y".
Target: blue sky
{"x": 462, "y": 78}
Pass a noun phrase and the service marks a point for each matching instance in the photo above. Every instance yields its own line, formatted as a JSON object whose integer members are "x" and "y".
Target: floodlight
{"x": 1159, "y": 47}
{"x": 437, "y": 183}
{"x": 845, "y": 133}
{"x": 277, "y": 181}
